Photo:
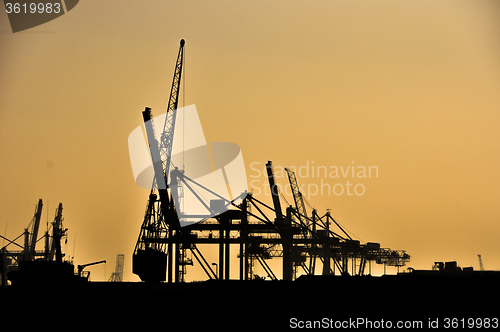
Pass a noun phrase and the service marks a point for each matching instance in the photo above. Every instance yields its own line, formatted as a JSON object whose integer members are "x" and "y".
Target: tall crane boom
{"x": 162, "y": 151}
{"x": 297, "y": 197}
{"x": 167, "y": 135}
{"x": 150, "y": 255}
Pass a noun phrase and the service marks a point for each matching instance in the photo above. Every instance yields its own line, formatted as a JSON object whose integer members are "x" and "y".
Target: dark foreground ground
{"x": 321, "y": 302}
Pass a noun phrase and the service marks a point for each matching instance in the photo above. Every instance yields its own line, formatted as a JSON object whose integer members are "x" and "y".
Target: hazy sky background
{"x": 412, "y": 87}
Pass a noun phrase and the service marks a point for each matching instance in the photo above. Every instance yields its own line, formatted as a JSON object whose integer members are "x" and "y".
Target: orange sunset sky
{"x": 409, "y": 87}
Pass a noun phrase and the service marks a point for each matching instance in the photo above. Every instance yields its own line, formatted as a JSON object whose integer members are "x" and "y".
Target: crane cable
{"x": 183, "y": 117}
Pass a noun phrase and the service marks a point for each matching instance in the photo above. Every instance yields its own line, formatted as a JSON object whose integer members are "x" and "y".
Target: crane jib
{"x": 167, "y": 135}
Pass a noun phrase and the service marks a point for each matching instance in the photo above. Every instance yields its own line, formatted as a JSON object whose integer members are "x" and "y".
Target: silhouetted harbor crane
{"x": 29, "y": 265}
{"x": 266, "y": 233}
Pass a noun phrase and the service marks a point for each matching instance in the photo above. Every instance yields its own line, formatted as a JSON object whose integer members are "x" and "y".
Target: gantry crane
{"x": 290, "y": 234}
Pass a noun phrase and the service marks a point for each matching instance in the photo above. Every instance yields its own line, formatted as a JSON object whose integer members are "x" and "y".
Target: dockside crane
{"x": 303, "y": 219}
{"x": 154, "y": 249}
{"x": 30, "y": 241}
{"x": 289, "y": 234}
{"x": 81, "y": 267}
{"x": 58, "y": 232}
{"x": 31, "y": 265}
{"x": 283, "y": 224}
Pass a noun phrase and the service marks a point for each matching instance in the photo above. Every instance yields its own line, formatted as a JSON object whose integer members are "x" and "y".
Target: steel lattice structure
{"x": 262, "y": 232}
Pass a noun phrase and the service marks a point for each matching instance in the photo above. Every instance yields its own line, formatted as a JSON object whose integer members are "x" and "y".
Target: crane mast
{"x": 167, "y": 135}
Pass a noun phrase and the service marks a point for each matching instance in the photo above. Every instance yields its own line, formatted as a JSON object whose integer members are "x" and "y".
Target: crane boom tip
{"x": 182, "y": 42}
